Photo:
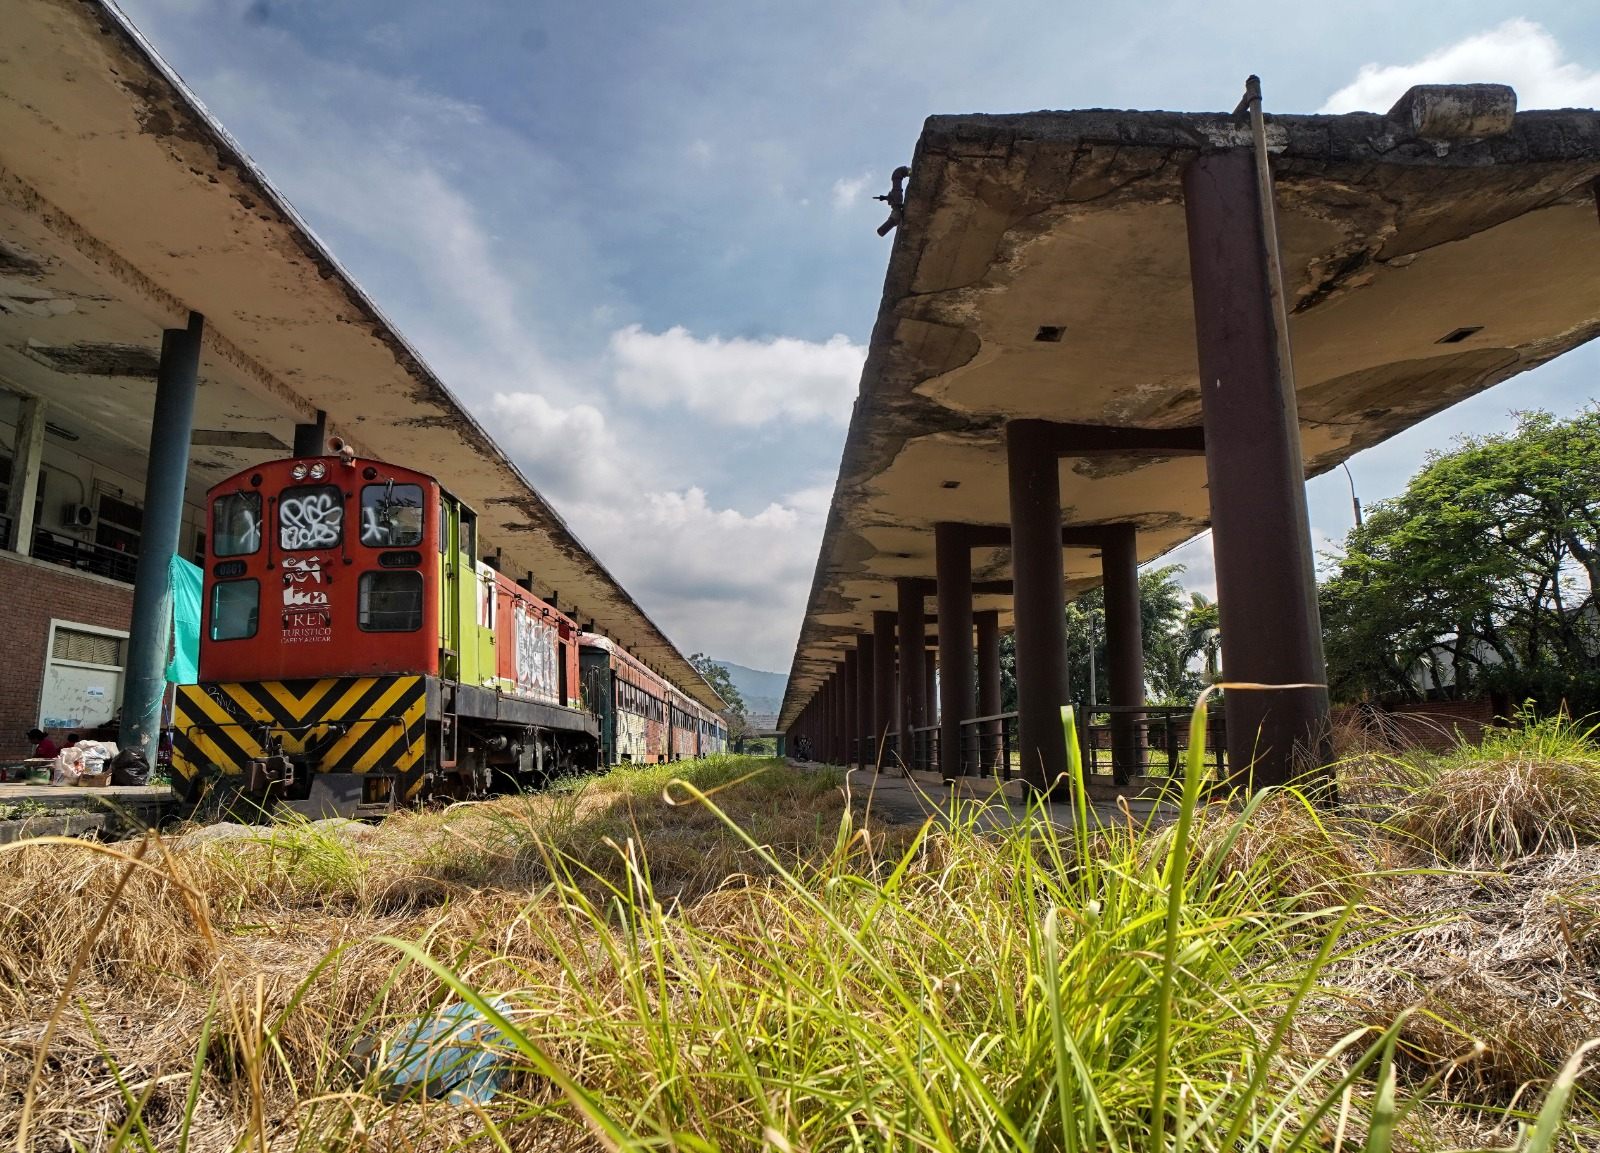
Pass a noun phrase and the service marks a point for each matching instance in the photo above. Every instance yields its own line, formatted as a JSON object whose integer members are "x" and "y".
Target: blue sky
{"x": 638, "y": 239}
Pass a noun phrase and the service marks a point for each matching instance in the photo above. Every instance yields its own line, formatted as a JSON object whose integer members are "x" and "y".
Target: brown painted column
{"x": 957, "y": 695}
{"x": 840, "y": 726}
{"x": 988, "y": 624}
{"x": 825, "y": 746}
{"x": 1266, "y": 581}
{"x": 852, "y": 726}
{"x": 1119, "y": 571}
{"x": 912, "y": 692}
{"x": 885, "y": 694}
{"x": 866, "y": 672}
{"x": 1038, "y": 579}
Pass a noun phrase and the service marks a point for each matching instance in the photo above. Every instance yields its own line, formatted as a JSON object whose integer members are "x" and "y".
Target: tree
{"x": 1176, "y": 632}
{"x": 1481, "y": 576}
{"x": 717, "y": 677}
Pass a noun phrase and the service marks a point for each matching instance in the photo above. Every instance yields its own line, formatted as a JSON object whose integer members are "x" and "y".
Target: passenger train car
{"x": 356, "y": 655}
{"x": 643, "y": 719}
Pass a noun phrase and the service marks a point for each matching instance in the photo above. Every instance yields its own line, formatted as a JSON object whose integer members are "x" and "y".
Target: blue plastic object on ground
{"x": 454, "y": 1053}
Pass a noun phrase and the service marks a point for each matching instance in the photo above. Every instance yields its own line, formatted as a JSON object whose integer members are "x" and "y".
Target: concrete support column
{"x": 913, "y": 689}
{"x": 852, "y": 725}
{"x": 866, "y": 674}
{"x": 825, "y": 735}
{"x": 988, "y": 625}
{"x": 1038, "y": 578}
{"x": 26, "y": 454}
{"x": 150, "y": 635}
{"x": 885, "y": 693}
{"x": 1119, "y": 570}
{"x": 957, "y": 696}
{"x": 1266, "y": 581}
{"x": 311, "y": 439}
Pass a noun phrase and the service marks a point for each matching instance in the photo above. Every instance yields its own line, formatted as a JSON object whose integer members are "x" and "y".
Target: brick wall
{"x": 1436, "y": 725}
{"x": 33, "y": 593}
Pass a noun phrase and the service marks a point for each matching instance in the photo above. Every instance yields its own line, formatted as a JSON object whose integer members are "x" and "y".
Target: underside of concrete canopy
{"x": 123, "y": 206}
{"x": 1041, "y": 270}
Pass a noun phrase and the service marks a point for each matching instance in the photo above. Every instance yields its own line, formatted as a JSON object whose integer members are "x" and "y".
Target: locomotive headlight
{"x": 318, "y": 470}
{"x": 298, "y": 472}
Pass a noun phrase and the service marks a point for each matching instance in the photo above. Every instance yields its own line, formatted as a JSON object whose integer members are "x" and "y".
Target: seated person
{"x": 43, "y": 746}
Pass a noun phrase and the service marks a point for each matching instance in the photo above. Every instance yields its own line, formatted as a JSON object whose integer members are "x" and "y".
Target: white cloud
{"x": 1519, "y": 53}
{"x": 847, "y": 192}
{"x": 567, "y": 452}
{"x": 738, "y": 381}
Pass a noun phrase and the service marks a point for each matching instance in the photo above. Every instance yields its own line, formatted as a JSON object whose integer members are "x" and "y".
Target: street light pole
{"x": 1355, "y": 501}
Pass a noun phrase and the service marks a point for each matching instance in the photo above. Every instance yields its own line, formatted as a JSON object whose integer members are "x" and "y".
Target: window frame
{"x": 363, "y": 587}
{"x": 286, "y": 494}
{"x": 210, "y": 538}
{"x": 421, "y": 506}
{"x": 211, "y": 611}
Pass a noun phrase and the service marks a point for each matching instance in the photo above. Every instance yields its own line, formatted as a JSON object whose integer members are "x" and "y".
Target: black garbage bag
{"x": 129, "y": 767}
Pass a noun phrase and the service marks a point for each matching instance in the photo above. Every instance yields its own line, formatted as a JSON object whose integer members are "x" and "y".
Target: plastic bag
{"x": 129, "y": 767}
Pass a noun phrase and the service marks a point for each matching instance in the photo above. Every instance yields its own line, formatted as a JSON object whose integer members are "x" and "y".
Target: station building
{"x": 128, "y": 215}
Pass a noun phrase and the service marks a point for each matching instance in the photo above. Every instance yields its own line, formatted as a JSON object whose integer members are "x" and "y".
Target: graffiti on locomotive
{"x": 391, "y": 515}
{"x": 538, "y": 655}
{"x": 310, "y": 518}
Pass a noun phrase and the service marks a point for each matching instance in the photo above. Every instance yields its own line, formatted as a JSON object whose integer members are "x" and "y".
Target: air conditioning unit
{"x": 78, "y": 515}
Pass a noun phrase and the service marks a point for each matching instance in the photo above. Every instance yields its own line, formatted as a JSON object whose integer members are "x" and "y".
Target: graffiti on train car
{"x": 537, "y": 655}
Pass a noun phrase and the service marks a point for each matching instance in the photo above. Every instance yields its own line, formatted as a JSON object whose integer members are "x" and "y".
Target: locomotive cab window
{"x": 234, "y": 609}
{"x": 236, "y": 524}
{"x": 390, "y": 602}
{"x": 310, "y": 517}
{"x": 391, "y": 515}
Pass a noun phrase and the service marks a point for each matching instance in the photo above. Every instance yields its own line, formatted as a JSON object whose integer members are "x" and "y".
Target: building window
{"x": 119, "y": 525}
{"x": 391, "y": 515}
{"x": 310, "y": 517}
{"x": 82, "y": 676}
{"x": 234, "y": 611}
{"x": 236, "y": 522}
{"x": 69, "y": 644}
{"x": 390, "y": 602}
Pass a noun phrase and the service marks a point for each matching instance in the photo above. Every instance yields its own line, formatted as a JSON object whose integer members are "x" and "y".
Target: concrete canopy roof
{"x": 1075, "y": 221}
{"x": 124, "y": 205}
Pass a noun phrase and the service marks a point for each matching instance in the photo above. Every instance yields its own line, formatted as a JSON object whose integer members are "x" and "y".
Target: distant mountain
{"x": 762, "y": 692}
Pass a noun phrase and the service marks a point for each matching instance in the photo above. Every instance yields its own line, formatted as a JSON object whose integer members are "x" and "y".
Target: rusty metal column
{"x": 866, "y": 672}
{"x": 824, "y": 717}
{"x": 1038, "y": 582}
{"x": 852, "y": 726}
{"x": 885, "y": 695}
{"x": 988, "y": 624}
{"x": 913, "y": 695}
{"x": 1119, "y": 571}
{"x": 1266, "y": 582}
{"x": 838, "y": 722}
{"x": 957, "y": 699}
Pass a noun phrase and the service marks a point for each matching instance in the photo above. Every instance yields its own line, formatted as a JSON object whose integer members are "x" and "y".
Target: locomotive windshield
{"x": 236, "y": 523}
{"x": 391, "y": 515}
{"x": 311, "y": 516}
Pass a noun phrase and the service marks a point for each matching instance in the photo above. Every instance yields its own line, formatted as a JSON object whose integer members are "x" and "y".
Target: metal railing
{"x": 989, "y": 746}
{"x": 925, "y": 749}
{"x": 1118, "y": 743}
{"x": 85, "y": 556}
{"x": 1121, "y": 742}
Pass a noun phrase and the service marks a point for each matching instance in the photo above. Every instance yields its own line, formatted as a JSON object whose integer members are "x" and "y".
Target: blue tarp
{"x": 186, "y": 584}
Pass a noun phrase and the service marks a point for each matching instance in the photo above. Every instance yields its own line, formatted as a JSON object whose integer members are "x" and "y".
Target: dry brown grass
{"x": 277, "y": 939}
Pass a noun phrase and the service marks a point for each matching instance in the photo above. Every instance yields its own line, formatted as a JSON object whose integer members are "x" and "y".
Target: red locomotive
{"x": 355, "y": 654}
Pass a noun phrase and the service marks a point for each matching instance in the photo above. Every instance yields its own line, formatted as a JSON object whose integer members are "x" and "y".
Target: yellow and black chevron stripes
{"x": 345, "y": 724}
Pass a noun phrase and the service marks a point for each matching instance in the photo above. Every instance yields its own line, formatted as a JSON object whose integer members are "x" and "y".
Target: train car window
{"x": 389, "y": 602}
{"x": 236, "y": 523}
{"x": 235, "y": 609}
{"x": 310, "y": 516}
{"x": 391, "y": 515}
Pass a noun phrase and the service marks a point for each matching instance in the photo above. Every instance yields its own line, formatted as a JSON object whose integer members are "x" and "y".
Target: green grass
{"x": 677, "y": 961}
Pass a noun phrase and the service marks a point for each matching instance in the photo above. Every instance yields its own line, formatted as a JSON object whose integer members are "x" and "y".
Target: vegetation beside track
{"x": 728, "y": 955}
